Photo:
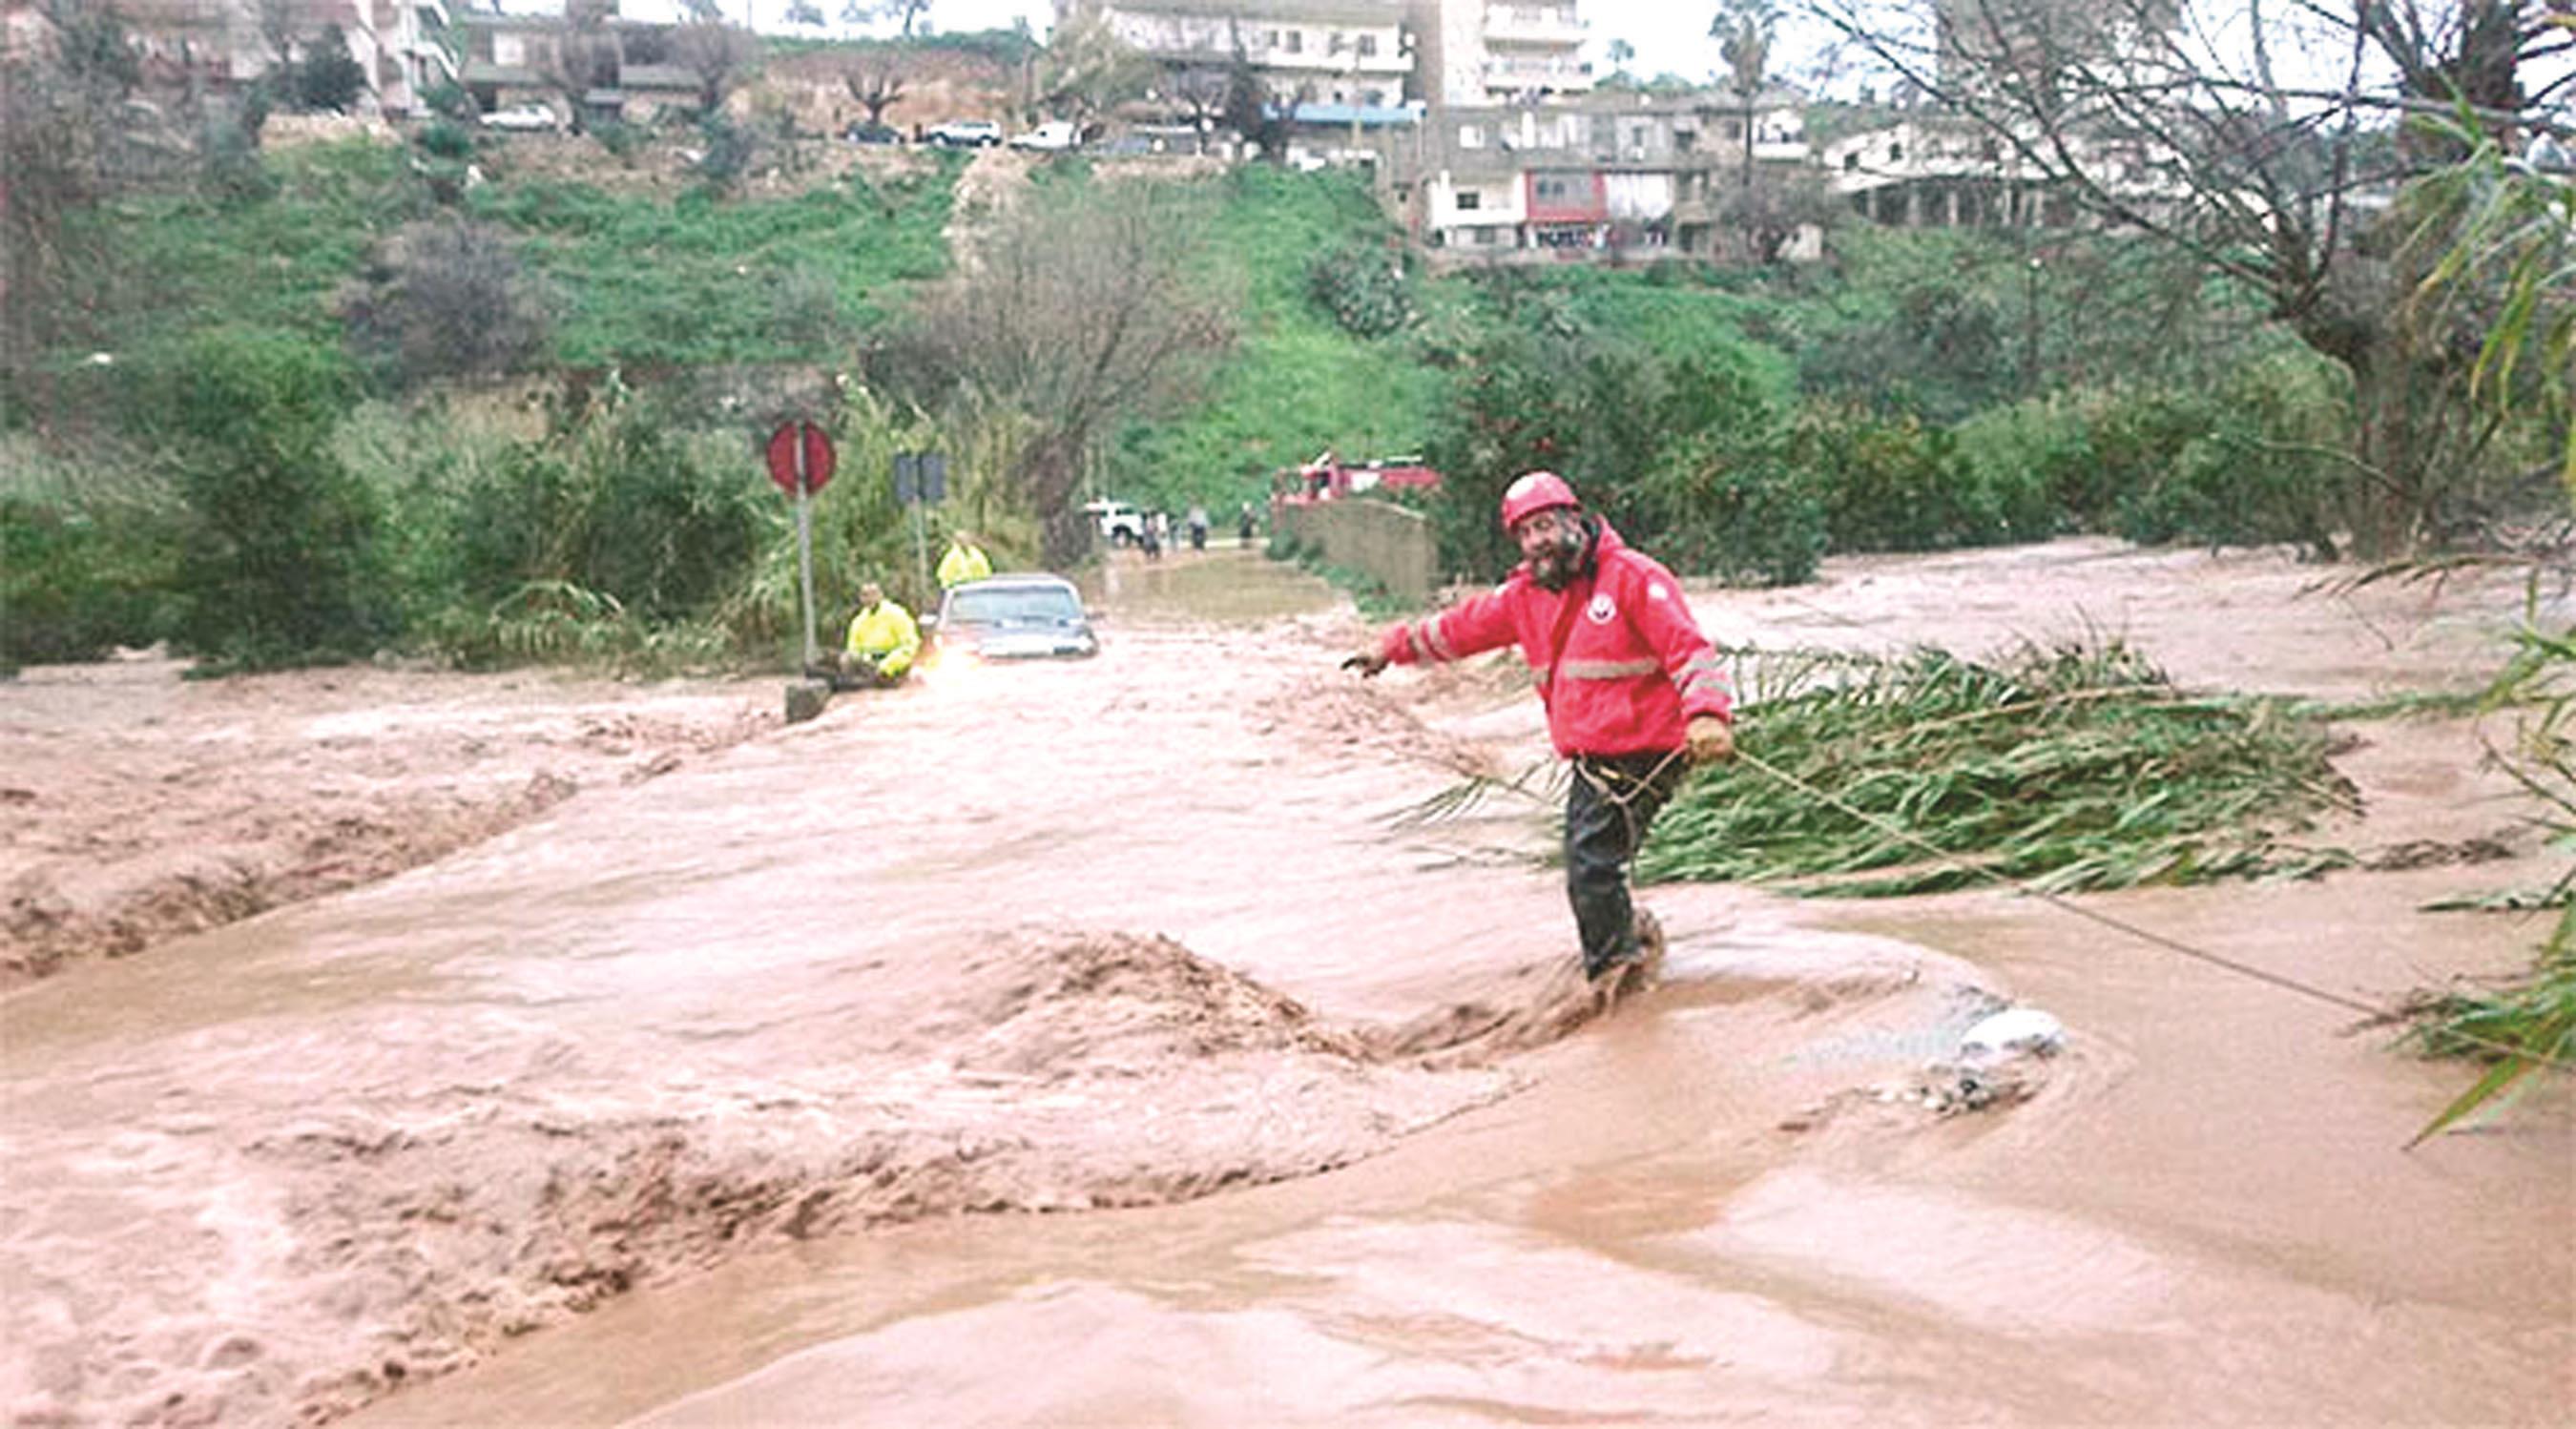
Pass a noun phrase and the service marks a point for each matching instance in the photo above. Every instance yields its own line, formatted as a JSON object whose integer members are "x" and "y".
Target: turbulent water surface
{"x": 1094, "y": 1043}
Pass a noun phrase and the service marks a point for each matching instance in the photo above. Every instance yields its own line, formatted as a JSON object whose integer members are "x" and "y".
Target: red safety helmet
{"x": 1535, "y": 491}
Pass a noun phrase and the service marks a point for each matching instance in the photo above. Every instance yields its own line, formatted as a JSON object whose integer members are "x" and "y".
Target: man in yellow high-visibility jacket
{"x": 963, "y": 561}
{"x": 882, "y": 641}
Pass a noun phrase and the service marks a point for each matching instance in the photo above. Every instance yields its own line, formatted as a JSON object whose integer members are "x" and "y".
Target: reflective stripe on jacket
{"x": 886, "y": 635}
{"x": 1635, "y": 667}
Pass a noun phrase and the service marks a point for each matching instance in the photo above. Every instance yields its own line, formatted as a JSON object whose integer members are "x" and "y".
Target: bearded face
{"x": 1557, "y": 543}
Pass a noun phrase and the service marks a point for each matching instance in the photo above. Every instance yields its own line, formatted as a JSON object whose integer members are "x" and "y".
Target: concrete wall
{"x": 1378, "y": 539}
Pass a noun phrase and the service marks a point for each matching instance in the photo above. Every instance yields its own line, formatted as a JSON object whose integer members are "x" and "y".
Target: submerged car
{"x": 1018, "y": 617}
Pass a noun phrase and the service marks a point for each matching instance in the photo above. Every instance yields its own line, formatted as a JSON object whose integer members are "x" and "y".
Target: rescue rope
{"x": 2147, "y": 935}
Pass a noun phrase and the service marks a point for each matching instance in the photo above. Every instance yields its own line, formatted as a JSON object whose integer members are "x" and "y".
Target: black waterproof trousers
{"x": 1614, "y": 799}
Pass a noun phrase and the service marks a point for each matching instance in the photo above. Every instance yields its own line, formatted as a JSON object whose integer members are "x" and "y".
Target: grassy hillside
{"x": 634, "y": 277}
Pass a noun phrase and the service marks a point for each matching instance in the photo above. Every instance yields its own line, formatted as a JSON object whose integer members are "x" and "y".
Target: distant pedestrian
{"x": 963, "y": 561}
{"x": 1243, "y": 526}
{"x": 1198, "y": 527}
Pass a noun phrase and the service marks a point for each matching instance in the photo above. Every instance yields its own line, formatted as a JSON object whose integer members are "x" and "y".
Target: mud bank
{"x": 143, "y": 805}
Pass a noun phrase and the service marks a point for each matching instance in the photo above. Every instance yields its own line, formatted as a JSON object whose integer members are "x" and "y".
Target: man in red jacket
{"x": 1634, "y": 692}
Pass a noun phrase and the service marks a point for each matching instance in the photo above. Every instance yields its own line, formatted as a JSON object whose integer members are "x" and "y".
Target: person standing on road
{"x": 963, "y": 561}
{"x": 1634, "y": 693}
{"x": 882, "y": 640}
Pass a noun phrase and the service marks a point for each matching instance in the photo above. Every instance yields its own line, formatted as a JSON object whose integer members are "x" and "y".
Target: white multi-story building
{"x": 1487, "y": 52}
{"x": 1335, "y": 52}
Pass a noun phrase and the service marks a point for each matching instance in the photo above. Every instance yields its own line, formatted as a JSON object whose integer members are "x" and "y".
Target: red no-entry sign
{"x": 800, "y": 457}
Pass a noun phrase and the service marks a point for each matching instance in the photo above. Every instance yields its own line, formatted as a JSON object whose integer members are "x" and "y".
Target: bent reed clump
{"x": 2070, "y": 768}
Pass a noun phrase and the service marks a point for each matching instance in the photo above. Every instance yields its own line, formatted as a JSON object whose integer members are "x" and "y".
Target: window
{"x": 1470, "y": 137}
{"x": 1851, "y": 162}
{"x": 1554, "y": 190}
{"x": 1368, "y": 44}
{"x": 1469, "y": 201}
{"x": 1296, "y": 42}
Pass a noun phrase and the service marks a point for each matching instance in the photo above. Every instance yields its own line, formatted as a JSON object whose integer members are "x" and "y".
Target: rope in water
{"x": 2146, "y": 935}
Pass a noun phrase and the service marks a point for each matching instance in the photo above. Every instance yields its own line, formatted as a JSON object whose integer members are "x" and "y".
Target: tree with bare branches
{"x": 1087, "y": 69}
{"x": 1080, "y": 314}
{"x": 876, "y": 81}
{"x": 584, "y": 57}
{"x": 720, "y": 55}
{"x": 2276, "y": 145}
{"x": 906, "y": 12}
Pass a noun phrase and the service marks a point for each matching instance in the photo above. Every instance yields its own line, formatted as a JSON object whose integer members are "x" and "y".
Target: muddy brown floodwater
{"x": 1089, "y": 1043}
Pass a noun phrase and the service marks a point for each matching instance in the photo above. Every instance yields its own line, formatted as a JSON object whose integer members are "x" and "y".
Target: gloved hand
{"x": 1367, "y": 662}
{"x": 1711, "y": 740}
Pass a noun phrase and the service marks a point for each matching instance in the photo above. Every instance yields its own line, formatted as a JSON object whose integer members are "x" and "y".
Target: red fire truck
{"x": 1326, "y": 478}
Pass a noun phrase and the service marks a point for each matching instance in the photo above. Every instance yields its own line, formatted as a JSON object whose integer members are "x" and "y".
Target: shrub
{"x": 280, "y": 562}
{"x": 77, "y": 581}
{"x": 446, "y": 139}
{"x": 728, "y": 154}
{"x": 329, "y": 79}
{"x": 1892, "y": 483}
{"x": 2037, "y": 458}
{"x": 1363, "y": 286}
{"x": 446, "y": 298}
{"x": 1739, "y": 513}
{"x": 451, "y": 101}
{"x": 2254, "y": 462}
{"x": 621, "y": 504}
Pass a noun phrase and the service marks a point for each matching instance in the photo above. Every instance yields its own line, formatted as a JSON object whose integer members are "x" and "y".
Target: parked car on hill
{"x": 523, "y": 118}
{"x": 964, "y": 134}
{"x": 866, "y": 133}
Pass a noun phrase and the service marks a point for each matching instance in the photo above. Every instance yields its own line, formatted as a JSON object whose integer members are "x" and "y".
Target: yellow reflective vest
{"x": 963, "y": 564}
{"x": 885, "y": 635}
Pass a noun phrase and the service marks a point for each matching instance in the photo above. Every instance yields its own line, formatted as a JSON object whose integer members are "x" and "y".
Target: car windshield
{"x": 1014, "y": 605}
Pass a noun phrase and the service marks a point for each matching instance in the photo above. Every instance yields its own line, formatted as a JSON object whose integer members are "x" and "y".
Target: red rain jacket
{"x": 1633, "y": 667}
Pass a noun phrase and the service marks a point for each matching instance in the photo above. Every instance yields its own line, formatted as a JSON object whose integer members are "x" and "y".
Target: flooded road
{"x": 1048, "y": 1045}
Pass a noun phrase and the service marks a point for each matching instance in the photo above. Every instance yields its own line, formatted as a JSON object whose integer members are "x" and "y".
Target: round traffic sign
{"x": 800, "y": 457}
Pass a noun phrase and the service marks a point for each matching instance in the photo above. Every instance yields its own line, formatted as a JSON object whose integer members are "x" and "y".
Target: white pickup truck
{"x": 1052, "y": 135}
{"x": 964, "y": 134}
{"x": 1117, "y": 522}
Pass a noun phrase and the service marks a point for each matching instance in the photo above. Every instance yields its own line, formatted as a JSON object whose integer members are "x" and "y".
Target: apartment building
{"x": 1611, "y": 173}
{"x": 1493, "y": 52}
{"x": 1349, "y": 54}
{"x": 514, "y": 59}
{"x": 220, "y": 44}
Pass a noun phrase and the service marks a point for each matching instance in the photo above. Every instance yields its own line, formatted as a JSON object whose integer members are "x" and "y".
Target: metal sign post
{"x": 920, "y": 478}
{"x": 800, "y": 461}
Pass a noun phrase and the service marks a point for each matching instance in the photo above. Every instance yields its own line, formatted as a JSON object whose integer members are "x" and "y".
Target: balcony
{"x": 1534, "y": 25}
{"x": 1520, "y": 75}
{"x": 433, "y": 14}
